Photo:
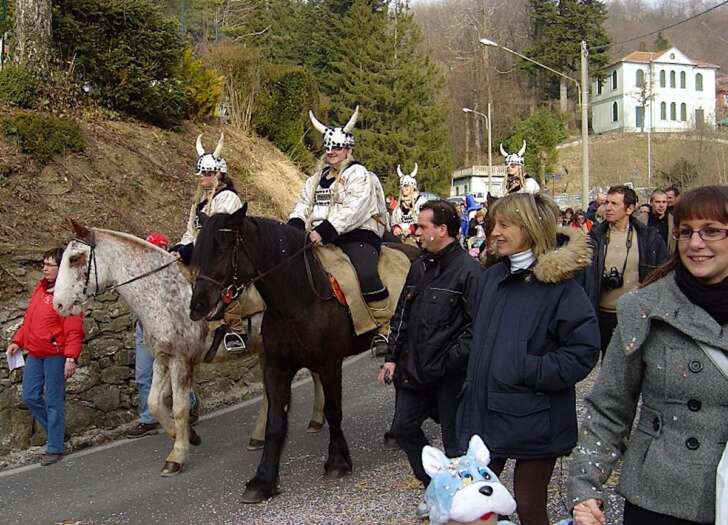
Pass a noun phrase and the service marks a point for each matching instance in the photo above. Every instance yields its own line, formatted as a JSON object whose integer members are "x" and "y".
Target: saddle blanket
{"x": 393, "y": 268}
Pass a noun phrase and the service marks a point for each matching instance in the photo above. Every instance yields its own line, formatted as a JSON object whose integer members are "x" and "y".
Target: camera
{"x": 612, "y": 279}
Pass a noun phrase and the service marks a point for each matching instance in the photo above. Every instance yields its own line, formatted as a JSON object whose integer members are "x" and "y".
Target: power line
{"x": 599, "y": 48}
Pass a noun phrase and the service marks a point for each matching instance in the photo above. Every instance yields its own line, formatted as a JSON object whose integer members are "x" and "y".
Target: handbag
{"x": 720, "y": 359}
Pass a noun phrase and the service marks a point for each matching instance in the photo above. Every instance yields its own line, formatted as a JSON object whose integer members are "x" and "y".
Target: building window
{"x": 599, "y": 87}
{"x": 673, "y": 111}
{"x": 699, "y": 82}
{"x": 663, "y": 111}
{"x": 615, "y": 112}
{"x": 640, "y": 78}
{"x": 683, "y": 82}
{"x": 663, "y": 77}
{"x": 683, "y": 112}
{"x": 672, "y": 79}
{"x": 614, "y": 80}
{"x": 639, "y": 117}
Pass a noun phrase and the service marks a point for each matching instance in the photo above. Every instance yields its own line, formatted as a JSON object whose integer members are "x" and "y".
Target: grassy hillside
{"x": 622, "y": 157}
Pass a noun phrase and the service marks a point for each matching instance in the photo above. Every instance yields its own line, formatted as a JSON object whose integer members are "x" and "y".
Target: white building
{"x": 478, "y": 181}
{"x": 656, "y": 91}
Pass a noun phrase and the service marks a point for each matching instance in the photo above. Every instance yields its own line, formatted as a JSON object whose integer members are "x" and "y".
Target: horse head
{"x": 222, "y": 262}
{"x": 77, "y": 272}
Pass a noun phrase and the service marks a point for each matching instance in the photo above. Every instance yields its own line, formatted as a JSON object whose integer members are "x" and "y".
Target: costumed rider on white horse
{"x": 404, "y": 216}
{"x": 343, "y": 204}
{"x": 517, "y": 180}
{"x": 215, "y": 194}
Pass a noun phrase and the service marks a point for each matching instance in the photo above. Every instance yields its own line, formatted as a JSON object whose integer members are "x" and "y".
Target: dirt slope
{"x": 133, "y": 178}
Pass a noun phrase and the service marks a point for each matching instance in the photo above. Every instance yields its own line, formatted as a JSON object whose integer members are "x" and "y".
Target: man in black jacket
{"x": 431, "y": 334}
{"x": 626, "y": 251}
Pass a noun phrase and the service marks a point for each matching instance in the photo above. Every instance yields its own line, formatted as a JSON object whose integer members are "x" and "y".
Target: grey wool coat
{"x": 673, "y": 452}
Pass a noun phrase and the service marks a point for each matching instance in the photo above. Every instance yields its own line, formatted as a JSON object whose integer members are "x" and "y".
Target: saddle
{"x": 393, "y": 268}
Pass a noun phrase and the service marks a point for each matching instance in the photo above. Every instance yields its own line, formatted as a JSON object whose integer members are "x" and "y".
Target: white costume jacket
{"x": 355, "y": 200}
{"x": 530, "y": 186}
{"x": 226, "y": 201}
{"x": 404, "y": 220}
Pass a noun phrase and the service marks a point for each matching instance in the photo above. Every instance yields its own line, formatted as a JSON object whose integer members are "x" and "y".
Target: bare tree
{"x": 33, "y": 34}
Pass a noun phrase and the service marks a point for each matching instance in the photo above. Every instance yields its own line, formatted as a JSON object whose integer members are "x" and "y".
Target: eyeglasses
{"x": 706, "y": 234}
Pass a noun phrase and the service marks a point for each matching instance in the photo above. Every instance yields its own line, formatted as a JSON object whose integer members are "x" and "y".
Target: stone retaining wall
{"x": 101, "y": 397}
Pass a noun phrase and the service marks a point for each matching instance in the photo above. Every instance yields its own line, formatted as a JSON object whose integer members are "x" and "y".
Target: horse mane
{"x": 132, "y": 239}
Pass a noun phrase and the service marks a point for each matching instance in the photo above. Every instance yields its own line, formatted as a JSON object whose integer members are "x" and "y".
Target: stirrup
{"x": 234, "y": 343}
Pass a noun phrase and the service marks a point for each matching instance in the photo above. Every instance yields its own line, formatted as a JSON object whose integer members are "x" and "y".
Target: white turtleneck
{"x": 522, "y": 260}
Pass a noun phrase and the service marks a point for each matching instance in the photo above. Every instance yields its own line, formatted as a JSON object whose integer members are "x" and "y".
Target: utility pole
{"x": 490, "y": 150}
{"x": 467, "y": 141}
{"x": 584, "y": 125}
{"x": 477, "y": 139}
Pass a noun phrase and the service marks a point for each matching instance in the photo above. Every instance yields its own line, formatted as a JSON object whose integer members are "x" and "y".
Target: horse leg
{"x": 338, "y": 464}
{"x": 278, "y": 388}
{"x": 161, "y": 388}
{"x": 181, "y": 377}
{"x": 317, "y": 412}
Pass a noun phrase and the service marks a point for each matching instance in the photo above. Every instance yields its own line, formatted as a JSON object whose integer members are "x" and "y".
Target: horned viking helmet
{"x": 336, "y": 137}
{"x": 407, "y": 180}
{"x": 210, "y": 162}
{"x": 514, "y": 158}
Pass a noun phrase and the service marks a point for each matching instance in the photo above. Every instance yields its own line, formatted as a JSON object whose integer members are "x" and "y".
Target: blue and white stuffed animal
{"x": 464, "y": 490}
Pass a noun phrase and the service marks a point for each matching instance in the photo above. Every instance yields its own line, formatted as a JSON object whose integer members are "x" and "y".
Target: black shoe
{"x": 235, "y": 342}
{"x": 49, "y": 459}
{"x": 379, "y": 346}
{"x": 143, "y": 429}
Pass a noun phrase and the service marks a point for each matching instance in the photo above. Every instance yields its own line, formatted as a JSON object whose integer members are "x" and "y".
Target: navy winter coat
{"x": 535, "y": 335}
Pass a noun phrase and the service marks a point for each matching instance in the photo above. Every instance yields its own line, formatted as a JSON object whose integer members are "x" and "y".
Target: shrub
{"x": 281, "y": 108}
{"x": 18, "y": 86}
{"x": 126, "y": 53}
{"x": 203, "y": 86}
{"x": 41, "y": 136}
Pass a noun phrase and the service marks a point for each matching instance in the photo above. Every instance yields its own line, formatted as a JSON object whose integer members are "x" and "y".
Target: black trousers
{"x": 634, "y": 515}
{"x": 413, "y": 408}
{"x": 365, "y": 259}
{"x": 607, "y": 324}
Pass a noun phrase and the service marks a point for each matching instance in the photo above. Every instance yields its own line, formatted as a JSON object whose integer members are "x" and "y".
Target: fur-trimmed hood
{"x": 566, "y": 260}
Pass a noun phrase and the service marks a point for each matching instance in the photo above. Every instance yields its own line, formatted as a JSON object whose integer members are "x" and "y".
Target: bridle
{"x": 93, "y": 264}
{"x": 229, "y": 292}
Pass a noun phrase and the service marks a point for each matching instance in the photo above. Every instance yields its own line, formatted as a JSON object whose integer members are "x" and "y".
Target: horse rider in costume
{"x": 408, "y": 204}
{"x": 215, "y": 194}
{"x": 343, "y": 204}
{"x": 517, "y": 180}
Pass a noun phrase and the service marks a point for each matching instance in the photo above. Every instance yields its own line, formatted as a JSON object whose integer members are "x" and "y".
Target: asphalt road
{"x": 120, "y": 482}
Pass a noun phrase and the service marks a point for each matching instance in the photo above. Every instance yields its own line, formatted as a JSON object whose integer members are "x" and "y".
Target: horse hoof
{"x": 257, "y": 494}
{"x": 195, "y": 438}
{"x": 171, "y": 468}
{"x": 314, "y": 426}
{"x": 255, "y": 444}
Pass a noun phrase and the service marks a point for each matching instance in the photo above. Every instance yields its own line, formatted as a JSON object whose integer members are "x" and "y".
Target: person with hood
{"x": 667, "y": 369}
{"x": 535, "y": 335}
{"x": 471, "y": 206}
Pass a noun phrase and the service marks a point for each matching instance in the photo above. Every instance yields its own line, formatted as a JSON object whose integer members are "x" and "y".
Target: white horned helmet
{"x": 336, "y": 137}
{"x": 210, "y": 162}
{"x": 514, "y": 158}
{"x": 407, "y": 179}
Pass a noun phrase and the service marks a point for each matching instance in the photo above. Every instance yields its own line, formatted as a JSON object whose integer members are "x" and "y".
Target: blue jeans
{"x": 44, "y": 392}
{"x": 143, "y": 372}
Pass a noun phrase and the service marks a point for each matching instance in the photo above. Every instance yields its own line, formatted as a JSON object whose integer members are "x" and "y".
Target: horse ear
{"x": 236, "y": 219}
{"x": 81, "y": 231}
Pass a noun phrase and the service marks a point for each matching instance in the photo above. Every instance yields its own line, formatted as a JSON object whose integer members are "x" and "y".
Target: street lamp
{"x": 490, "y": 147}
{"x": 583, "y": 90}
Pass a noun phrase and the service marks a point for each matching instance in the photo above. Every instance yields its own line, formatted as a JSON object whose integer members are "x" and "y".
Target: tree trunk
{"x": 33, "y": 35}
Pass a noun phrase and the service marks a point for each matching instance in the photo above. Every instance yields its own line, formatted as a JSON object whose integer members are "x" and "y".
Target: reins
{"x": 92, "y": 263}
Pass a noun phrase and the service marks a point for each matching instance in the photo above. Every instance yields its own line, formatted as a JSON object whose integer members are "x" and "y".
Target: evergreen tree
{"x": 399, "y": 90}
{"x": 662, "y": 43}
{"x": 557, "y": 28}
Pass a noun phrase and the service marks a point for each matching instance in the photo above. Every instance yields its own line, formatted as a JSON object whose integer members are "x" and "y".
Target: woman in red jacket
{"x": 53, "y": 344}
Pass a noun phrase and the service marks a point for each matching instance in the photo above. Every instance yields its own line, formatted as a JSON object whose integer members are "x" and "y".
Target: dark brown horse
{"x": 302, "y": 326}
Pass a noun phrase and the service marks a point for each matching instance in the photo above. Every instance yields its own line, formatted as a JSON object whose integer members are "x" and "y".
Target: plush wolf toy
{"x": 464, "y": 490}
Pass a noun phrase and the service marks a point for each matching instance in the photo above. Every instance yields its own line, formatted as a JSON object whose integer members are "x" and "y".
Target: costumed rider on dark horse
{"x": 215, "y": 194}
{"x": 343, "y": 204}
{"x": 517, "y": 180}
{"x": 404, "y": 215}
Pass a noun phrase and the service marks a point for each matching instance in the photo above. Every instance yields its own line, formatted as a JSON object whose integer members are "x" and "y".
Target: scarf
{"x": 713, "y": 298}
